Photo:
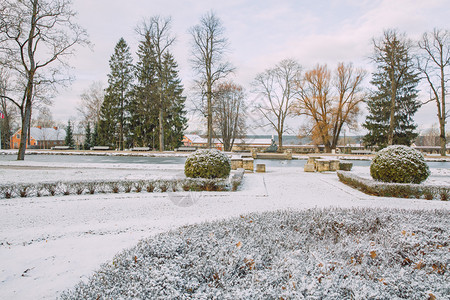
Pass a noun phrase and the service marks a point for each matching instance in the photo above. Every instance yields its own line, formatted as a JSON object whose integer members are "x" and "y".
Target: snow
{"x": 49, "y": 244}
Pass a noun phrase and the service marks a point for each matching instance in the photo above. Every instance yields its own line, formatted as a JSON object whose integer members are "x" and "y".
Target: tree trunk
{"x": 442, "y": 137}
{"x": 443, "y": 116}
{"x": 5, "y": 131}
{"x": 280, "y": 142}
{"x": 25, "y": 125}
{"x": 209, "y": 113}
{"x": 26, "y": 116}
{"x": 161, "y": 130}
{"x": 392, "y": 116}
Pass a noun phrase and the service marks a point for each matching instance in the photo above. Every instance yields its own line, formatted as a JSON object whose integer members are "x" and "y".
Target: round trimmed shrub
{"x": 399, "y": 164}
{"x": 207, "y": 163}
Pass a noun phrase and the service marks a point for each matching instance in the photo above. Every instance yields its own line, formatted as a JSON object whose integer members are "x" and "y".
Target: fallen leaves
{"x": 250, "y": 263}
{"x": 419, "y": 265}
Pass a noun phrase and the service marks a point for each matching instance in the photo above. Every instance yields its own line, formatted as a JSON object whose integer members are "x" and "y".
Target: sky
{"x": 260, "y": 33}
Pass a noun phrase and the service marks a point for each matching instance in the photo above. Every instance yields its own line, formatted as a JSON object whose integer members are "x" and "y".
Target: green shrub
{"x": 208, "y": 163}
{"x": 345, "y": 166}
{"x": 399, "y": 164}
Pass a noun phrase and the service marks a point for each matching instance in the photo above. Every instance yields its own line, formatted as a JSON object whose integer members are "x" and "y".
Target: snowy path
{"x": 48, "y": 244}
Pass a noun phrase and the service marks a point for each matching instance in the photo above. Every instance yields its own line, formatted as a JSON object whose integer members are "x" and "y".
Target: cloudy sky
{"x": 260, "y": 32}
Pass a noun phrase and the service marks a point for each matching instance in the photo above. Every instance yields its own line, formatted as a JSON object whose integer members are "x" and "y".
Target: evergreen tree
{"x": 143, "y": 107}
{"x": 87, "y": 137}
{"x": 150, "y": 102}
{"x": 174, "y": 104}
{"x": 69, "y": 136}
{"x": 94, "y": 136}
{"x": 393, "y": 103}
{"x": 114, "y": 116}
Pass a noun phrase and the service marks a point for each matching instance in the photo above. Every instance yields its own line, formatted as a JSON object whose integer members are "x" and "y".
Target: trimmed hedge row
{"x": 121, "y": 186}
{"x": 399, "y": 190}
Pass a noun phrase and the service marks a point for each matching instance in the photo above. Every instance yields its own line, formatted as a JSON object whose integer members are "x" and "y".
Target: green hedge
{"x": 399, "y": 190}
{"x": 399, "y": 164}
{"x": 207, "y": 163}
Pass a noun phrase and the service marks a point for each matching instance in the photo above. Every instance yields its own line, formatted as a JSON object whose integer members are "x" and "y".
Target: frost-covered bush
{"x": 307, "y": 254}
{"x": 207, "y": 163}
{"x": 400, "y": 164}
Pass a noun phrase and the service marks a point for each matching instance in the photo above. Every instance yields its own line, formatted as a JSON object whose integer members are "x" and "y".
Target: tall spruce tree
{"x": 69, "y": 141}
{"x": 144, "y": 103}
{"x": 114, "y": 116}
{"x": 174, "y": 104}
{"x": 393, "y": 103}
{"x": 158, "y": 29}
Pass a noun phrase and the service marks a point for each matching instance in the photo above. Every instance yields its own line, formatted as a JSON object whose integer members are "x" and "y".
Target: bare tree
{"x": 44, "y": 118}
{"x": 429, "y": 136}
{"x": 158, "y": 29}
{"x": 348, "y": 85}
{"x": 315, "y": 101}
{"x": 277, "y": 89}
{"x": 9, "y": 111}
{"x": 229, "y": 111}
{"x": 330, "y": 102}
{"x": 91, "y": 103}
{"x": 434, "y": 64}
{"x": 35, "y": 37}
{"x": 208, "y": 49}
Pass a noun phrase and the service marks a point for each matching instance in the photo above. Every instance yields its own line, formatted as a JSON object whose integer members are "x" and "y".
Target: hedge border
{"x": 61, "y": 188}
{"x": 397, "y": 190}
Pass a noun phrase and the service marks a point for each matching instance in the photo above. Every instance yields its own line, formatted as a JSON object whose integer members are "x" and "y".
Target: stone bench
{"x": 140, "y": 149}
{"x": 62, "y": 148}
{"x": 334, "y": 164}
{"x": 322, "y": 165}
{"x": 310, "y": 165}
{"x": 362, "y": 152}
{"x": 100, "y": 148}
{"x": 236, "y": 163}
{"x": 187, "y": 149}
{"x": 260, "y": 168}
{"x": 248, "y": 164}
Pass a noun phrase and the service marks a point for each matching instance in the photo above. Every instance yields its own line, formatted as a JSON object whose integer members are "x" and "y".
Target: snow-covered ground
{"x": 48, "y": 244}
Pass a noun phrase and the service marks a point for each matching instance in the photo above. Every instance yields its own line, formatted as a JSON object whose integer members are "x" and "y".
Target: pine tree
{"x": 87, "y": 137}
{"x": 114, "y": 116}
{"x": 69, "y": 136}
{"x": 174, "y": 104}
{"x": 393, "y": 103}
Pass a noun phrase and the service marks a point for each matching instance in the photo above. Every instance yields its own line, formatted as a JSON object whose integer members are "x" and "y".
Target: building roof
{"x": 47, "y": 134}
{"x": 194, "y": 138}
